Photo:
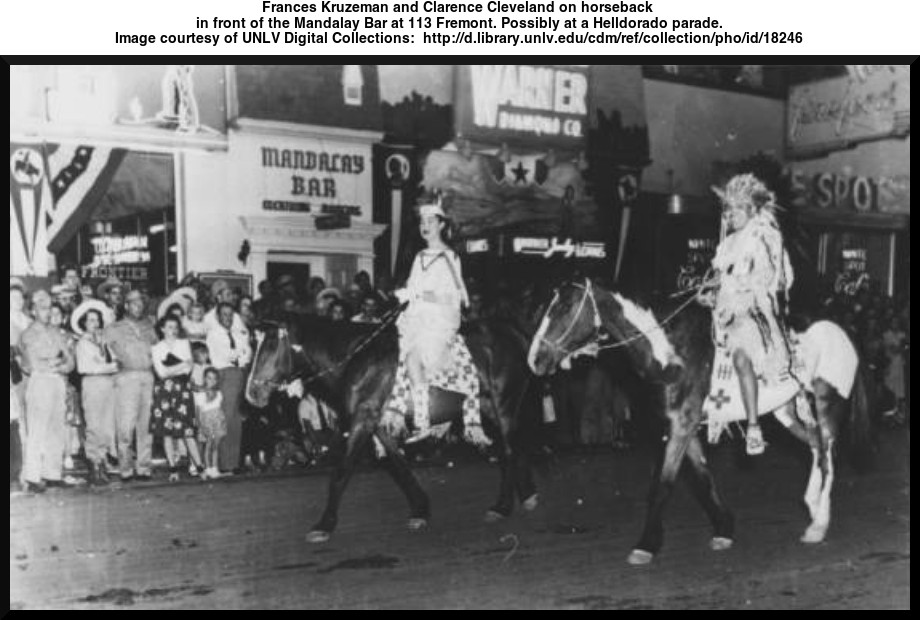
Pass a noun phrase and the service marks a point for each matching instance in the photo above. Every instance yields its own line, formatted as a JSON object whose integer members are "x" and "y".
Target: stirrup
{"x": 418, "y": 436}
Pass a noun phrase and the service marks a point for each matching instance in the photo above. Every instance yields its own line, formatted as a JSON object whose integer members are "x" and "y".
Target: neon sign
{"x": 518, "y": 103}
{"x": 547, "y": 248}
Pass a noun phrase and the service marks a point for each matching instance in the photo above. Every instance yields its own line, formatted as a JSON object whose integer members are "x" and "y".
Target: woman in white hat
{"x": 754, "y": 278}
{"x": 97, "y": 367}
{"x": 177, "y": 303}
{"x": 435, "y": 293}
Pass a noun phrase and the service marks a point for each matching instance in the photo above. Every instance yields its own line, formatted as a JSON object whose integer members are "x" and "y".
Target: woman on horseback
{"x": 435, "y": 293}
{"x": 753, "y": 278}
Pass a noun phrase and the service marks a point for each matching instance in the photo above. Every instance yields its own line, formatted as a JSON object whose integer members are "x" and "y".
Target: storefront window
{"x": 131, "y": 232}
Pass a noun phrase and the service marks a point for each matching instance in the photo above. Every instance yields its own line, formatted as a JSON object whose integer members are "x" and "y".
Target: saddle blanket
{"x": 459, "y": 375}
{"x": 724, "y": 404}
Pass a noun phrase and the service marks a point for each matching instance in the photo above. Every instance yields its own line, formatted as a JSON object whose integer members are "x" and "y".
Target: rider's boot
{"x": 472, "y": 424}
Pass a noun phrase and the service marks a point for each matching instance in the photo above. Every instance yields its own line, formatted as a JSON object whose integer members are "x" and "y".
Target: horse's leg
{"x": 678, "y": 440}
{"x": 704, "y": 488}
{"x": 396, "y": 465}
{"x": 523, "y": 475}
{"x": 828, "y": 407}
{"x": 353, "y": 447}
{"x": 504, "y": 505}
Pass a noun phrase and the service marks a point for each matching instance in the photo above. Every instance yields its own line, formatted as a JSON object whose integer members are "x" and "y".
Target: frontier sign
{"x": 524, "y": 105}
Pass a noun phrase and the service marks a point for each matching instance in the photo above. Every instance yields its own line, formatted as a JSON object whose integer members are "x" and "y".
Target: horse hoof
{"x": 531, "y": 503}
{"x": 721, "y": 544}
{"x": 640, "y": 558}
{"x": 417, "y": 525}
{"x": 493, "y": 516}
{"x": 318, "y": 538}
{"x": 814, "y": 535}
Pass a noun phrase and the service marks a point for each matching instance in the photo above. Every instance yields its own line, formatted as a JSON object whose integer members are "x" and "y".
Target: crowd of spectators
{"x": 879, "y": 325}
{"x": 106, "y": 376}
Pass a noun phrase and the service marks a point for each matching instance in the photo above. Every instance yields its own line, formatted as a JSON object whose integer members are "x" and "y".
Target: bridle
{"x": 293, "y": 375}
{"x": 283, "y": 337}
{"x": 594, "y": 343}
{"x": 587, "y": 297}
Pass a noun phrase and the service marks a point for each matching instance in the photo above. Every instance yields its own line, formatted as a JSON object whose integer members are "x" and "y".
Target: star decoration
{"x": 520, "y": 173}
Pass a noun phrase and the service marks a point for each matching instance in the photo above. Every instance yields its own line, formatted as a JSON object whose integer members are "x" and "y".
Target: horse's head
{"x": 273, "y": 363}
{"x": 583, "y": 314}
{"x": 570, "y": 323}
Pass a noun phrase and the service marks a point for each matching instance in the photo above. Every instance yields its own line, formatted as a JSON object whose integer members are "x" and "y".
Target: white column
{"x": 181, "y": 209}
{"x": 258, "y": 264}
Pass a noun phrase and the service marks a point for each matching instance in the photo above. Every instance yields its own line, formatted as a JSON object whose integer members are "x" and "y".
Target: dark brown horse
{"x": 671, "y": 346}
{"x": 353, "y": 368}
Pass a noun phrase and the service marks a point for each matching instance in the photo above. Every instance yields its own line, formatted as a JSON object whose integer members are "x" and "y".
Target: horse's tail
{"x": 861, "y": 438}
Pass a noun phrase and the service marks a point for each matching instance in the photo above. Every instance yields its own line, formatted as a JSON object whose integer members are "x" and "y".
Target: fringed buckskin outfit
{"x": 754, "y": 268}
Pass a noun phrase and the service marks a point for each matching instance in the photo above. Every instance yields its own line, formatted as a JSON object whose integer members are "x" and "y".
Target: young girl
{"x": 196, "y": 330}
{"x": 173, "y": 415}
{"x": 435, "y": 293}
{"x": 209, "y": 403}
{"x": 200, "y": 362}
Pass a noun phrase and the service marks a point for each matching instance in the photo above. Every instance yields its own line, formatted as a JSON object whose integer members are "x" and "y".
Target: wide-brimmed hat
{"x": 285, "y": 280}
{"x": 218, "y": 286}
{"x": 106, "y": 287}
{"x": 16, "y": 283}
{"x": 184, "y": 297}
{"x": 63, "y": 289}
{"x": 93, "y": 304}
{"x": 329, "y": 292}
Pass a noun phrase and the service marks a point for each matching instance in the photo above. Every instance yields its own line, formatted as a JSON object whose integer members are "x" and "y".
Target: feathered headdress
{"x": 747, "y": 190}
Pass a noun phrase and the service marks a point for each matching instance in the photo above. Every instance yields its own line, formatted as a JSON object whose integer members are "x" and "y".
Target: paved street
{"x": 241, "y": 544}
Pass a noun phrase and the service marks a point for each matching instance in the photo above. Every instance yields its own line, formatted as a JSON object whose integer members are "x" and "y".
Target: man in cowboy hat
{"x": 65, "y": 296}
{"x": 112, "y": 292}
{"x": 48, "y": 360}
{"x": 221, "y": 293}
{"x": 131, "y": 341}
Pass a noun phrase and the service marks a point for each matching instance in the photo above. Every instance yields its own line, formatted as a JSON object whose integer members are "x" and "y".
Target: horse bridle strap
{"x": 588, "y": 296}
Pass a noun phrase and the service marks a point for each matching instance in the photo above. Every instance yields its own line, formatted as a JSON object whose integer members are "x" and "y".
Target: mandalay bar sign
{"x": 523, "y": 104}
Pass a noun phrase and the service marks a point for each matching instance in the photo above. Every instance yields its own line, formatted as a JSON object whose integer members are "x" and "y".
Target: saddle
{"x": 724, "y": 404}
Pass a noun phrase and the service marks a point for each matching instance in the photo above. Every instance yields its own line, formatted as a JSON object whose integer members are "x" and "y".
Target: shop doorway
{"x": 301, "y": 272}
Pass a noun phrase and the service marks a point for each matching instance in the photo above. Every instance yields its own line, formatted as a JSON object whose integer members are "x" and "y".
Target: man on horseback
{"x": 428, "y": 327}
{"x": 752, "y": 282}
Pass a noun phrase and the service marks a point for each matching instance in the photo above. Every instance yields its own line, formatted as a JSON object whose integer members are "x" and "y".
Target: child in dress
{"x": 212, "y": 422}
{"x": 200, "y": 361}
